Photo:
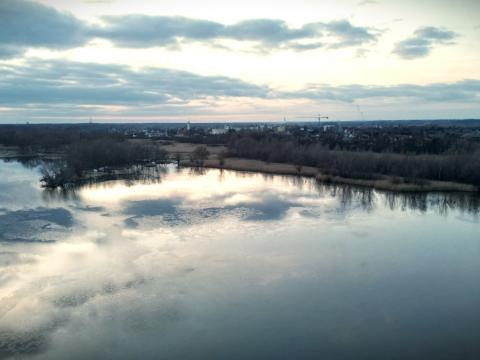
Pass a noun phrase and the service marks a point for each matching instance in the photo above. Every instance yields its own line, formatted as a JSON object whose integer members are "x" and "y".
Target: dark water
{"x": 225, "y": 265}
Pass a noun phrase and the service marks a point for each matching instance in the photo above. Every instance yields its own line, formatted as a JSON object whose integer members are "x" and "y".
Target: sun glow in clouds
{"x": 173, "y": 61}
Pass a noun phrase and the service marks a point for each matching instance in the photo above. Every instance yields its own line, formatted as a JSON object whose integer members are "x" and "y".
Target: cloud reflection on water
{"x": 40, "y": 224}
{"x": 216, "y": 260}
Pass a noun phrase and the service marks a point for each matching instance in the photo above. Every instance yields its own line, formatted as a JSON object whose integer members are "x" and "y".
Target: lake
{"x": 190, "y": 264}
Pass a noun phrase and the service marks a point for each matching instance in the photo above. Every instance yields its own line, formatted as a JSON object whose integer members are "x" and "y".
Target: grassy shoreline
{"x": 382, "y": 183}
{"x": 388, "y": 183}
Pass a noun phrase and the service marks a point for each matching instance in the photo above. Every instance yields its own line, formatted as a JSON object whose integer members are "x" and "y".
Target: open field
{"x": 12, "y": 152}
{"x": 187, "y": 148}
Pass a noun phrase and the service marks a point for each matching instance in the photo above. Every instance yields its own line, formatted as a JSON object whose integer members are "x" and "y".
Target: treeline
{"x": 388, "y": 139}
{"x": 416, "y": 153}
{"x": 52, "y": 137}
{"x": 83, "y": 156}
{"x": 88, "y": 155}
{"x": 463, "y": 168}
{"x": 396, "y": 139}
{"x": 80, "y": 147}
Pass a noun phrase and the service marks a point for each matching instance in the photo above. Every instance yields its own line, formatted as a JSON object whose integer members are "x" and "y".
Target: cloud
{"x": 306, "y": 47}
{"x": 423, "y": 41}
{"x": 32, "y": 225}
{"x": 29, "y": 24}
{"x": 367, "y": 2}
{"x": 8, "y": 51}
{"x": 65, "y": 82}
{"x": 26, "y": 24}
{"x": 149, "y": 31}
{"x": 348, "y": 35}
{"x": 60, "y": 88}
{"x": 17, "y": 343}
{"x": 271, "y": 33}
{"x": 362, "y": 53}
{"x": 462, "y": 91}
{"x": 266, "y": 207}
{"x": 99, "y": 1}
{"x": 156, "y": 207}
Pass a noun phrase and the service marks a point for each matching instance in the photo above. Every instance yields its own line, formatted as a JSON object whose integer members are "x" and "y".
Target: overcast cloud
{"x": 264, "y": 53}
{"x": 27, "y": 24}
{"x": 65, "y": 82}
{"x": 461, "y": 91}
{"x": 147, "y": 31}
{"x": 62, "y": 85}
{"x": 423, "y": 41}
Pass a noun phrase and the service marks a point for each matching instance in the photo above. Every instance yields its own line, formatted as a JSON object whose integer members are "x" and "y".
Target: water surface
{"x": 228, "y": 265}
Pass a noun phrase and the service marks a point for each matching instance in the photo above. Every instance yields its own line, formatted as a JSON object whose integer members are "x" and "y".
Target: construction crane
{"x": 318, "y": 117}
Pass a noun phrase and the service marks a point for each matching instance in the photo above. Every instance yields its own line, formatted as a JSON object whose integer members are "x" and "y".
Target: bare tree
{"x": 178, "y": 158}
{"x": 221, "y": 158}
{"x": 199, "y": 155}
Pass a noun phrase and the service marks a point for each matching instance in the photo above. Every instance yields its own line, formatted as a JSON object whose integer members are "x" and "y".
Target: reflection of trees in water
{"x": 197, "y": 170}
{"x": 350, "y": 196}
{"x": 143, "y": 175}
{"x": 60, "y": 194}
{"x": 221, "y": 175}
{"x": 441, "y": 202}
{"x": 300, "y": 182}
{"x": 367, "y": 198}
{"x": 137, "y": 174}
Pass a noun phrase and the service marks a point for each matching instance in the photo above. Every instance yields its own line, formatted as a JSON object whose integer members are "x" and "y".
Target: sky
{"x": 226, "y": 61}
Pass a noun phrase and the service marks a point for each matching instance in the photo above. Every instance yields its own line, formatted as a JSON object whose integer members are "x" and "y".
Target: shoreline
{"x": 12, "y": 153}
{"x": 386, "y": 183}
{"x": 382, "y": 182}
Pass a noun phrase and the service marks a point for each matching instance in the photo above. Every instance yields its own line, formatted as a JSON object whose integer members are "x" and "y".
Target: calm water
{"x": 225, "y": 265}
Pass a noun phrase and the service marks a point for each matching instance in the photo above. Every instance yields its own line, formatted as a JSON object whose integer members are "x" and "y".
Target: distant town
{"x": 417, "y": 136}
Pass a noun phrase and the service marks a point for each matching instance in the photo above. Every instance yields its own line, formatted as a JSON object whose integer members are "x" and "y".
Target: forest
{"x": 454, "y": 167}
